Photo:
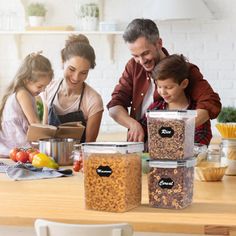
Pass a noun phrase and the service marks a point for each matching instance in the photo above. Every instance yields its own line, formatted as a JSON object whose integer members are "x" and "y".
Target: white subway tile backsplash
{"x": 218, "y": 65}
{"x": 227, "y": 55}
{"x": 227, "y": 75}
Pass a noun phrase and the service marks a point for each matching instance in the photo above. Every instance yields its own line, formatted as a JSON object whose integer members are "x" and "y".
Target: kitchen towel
{"x": 21, "y": 171}
{"x": 3, "y": 167}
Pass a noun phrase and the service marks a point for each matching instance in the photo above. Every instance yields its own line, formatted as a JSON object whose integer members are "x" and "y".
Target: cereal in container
{"x": 112, "y": 175}
{"x": 171, "y": 134}
{"x": 170, "y": 183}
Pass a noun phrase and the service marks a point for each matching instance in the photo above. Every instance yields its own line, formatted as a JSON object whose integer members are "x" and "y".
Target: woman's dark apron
{"x": 56, "y": 120}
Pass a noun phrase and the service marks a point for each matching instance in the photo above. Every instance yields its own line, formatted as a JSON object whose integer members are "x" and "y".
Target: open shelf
{"x": 18, "y": 34}
{"x": 61, "y": 32}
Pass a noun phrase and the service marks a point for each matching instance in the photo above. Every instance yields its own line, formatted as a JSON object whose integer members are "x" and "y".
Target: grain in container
{"x": 170, "y": 183}
{"x": 171, "y": 134}
{"x": 112, "y": 175}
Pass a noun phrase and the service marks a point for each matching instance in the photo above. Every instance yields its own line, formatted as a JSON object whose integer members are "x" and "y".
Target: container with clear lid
{"x": 228, "y": 155}
{"x": 171, "y": 134}
{"x": 112, "y": 175}
{"x": 214, "y": 153}
{"x": 170, "y": 183}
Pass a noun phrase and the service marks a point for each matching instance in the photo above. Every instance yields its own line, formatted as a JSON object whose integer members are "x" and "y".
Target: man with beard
{"x": 136, "y": 89}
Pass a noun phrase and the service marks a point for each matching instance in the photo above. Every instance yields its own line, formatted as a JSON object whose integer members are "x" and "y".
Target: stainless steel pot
{"x": 60, "y": 149}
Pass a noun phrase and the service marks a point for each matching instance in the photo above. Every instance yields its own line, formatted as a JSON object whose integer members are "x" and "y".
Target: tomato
{"x": 32, "y": 154}
{"x": 29, "y": 150}
{"x": 13, "y": 153}
{"x": 22, "y": 156}
{"x": 77, "y": 165}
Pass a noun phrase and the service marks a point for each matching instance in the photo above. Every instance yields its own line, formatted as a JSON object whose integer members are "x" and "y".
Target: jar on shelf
{"x": 87, "y": 12}
{"x": 228, "y": 155}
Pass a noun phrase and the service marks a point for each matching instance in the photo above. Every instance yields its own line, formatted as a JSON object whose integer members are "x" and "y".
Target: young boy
{"x": 173, "y": 87}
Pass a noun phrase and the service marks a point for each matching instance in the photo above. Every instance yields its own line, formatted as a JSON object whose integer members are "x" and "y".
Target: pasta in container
{"x": 227, "y": 130}
{"x": 112, "y": 175}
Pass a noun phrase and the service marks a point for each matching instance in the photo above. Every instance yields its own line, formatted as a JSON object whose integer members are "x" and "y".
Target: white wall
{"x": 208, "y": 43}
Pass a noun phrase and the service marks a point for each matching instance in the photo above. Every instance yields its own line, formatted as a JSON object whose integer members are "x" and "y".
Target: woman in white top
{"x": 71, "y": 98}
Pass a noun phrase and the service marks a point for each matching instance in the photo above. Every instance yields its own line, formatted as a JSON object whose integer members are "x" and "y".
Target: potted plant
{"x": 227, "y": 114}
{"x": 227, "y": 122}
{"x": 89, "y": 14}
{"x": 36, "y": 13}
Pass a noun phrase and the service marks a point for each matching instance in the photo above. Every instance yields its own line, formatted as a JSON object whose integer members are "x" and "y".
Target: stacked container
{"x": 112, "y": 175}
{"x": 171, "y": 150}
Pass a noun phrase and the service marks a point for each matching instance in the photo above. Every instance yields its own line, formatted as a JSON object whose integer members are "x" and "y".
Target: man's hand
{"x": 135, "y": 133}
{"x": 202, "y": 117}
{"x": 135, "y": 130}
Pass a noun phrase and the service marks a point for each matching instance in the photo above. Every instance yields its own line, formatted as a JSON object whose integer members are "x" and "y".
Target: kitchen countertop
{"x": 122, "y": 136}
{"x": 213, "y": 210}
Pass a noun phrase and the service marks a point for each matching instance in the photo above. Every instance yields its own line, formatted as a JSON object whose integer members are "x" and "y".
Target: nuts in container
{"x": 171, "y": 134}
{"x": 112, "y": 175}
{"x": 170, "y": 183}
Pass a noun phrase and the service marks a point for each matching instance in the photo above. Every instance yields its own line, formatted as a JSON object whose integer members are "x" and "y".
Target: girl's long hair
{"x": 31, "y": 69}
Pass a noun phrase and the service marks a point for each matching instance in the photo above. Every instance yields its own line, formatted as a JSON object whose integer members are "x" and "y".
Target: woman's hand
{"x": 93, "y": 126}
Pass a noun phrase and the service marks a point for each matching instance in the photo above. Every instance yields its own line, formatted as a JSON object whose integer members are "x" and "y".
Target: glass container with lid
{"x": 228, "y": 155}
{"x": 214, "y": 153}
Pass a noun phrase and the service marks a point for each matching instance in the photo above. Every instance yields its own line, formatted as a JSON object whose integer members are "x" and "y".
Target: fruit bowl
{"x": 210, "y": 171}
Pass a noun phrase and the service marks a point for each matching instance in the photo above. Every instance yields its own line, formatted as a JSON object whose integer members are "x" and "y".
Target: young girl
{"x": 70, "y": 98}
{"x": 18, "y": 106}
{"x": 173, "y": 85}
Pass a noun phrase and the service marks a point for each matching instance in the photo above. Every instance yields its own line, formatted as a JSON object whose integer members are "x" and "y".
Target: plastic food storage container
{"x": 112, "y": 175}
{"x": 170, "y": 183}
{"x": 171, "y": 134}
{"x": 228, "y": 155}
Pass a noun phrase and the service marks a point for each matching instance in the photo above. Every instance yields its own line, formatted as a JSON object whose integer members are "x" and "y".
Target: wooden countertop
{"x": 62, "y": 199}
